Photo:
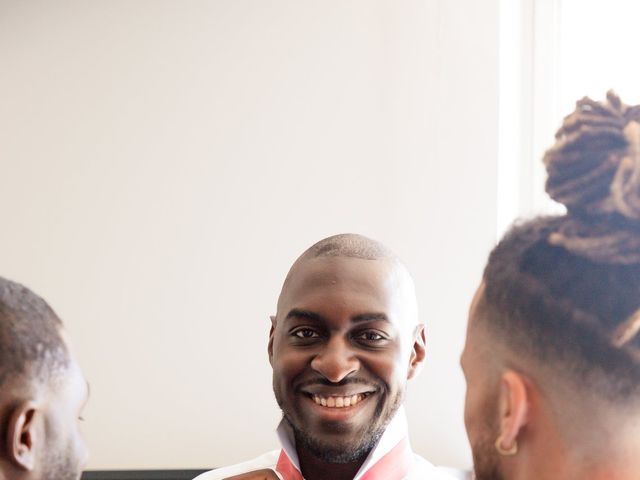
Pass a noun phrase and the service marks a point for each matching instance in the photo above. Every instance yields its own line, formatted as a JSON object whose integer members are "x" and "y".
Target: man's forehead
{"x": 72, "y": 385}
{"x": 333, "y": 270}
{"x": 381, "y": 285}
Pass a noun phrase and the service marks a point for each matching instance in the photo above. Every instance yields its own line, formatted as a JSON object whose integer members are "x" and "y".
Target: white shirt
{"x": 395, "y": 432}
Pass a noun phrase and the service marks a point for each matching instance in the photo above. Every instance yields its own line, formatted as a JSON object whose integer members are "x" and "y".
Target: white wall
{"x": 164, "y": 162}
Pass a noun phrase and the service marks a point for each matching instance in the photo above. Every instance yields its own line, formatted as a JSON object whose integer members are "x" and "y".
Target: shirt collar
{"x": 393, "y": 434}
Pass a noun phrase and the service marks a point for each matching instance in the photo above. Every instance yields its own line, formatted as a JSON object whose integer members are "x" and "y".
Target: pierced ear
{"x": 513, "y": 408}
{"x": 270, "y": 345}
{"x": 22, "y": 436}
{"x": 419, "y": 351}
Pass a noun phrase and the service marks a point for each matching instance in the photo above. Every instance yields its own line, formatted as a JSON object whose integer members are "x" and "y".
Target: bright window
{"x": 552, "y": 53}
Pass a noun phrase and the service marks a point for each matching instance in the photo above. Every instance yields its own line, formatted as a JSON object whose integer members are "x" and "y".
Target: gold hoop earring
{"x": 506, "y": 452}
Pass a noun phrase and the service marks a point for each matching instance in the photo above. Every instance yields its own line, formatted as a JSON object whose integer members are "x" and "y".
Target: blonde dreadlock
{"x": 594, "y": 170}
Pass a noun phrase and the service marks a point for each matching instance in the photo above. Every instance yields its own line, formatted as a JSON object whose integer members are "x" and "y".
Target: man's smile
{"x": 343, "y": 404}
{"x": 338, "y": 402}
{"x": 338, "y": 397}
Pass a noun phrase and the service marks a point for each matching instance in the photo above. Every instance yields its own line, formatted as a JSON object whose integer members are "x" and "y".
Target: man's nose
{"x": 336, "y": 361}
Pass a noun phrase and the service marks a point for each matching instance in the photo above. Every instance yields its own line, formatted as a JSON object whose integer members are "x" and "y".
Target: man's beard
{"x": 343, "y": 453}
{"x": 59, "y": 464}
{"x": 486, "y": 460}
{"x": 331, "y": 453}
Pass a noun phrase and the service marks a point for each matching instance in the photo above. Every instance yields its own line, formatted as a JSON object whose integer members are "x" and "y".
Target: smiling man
{"x": 343, "y": 344}
{"x": 42, "y": 392}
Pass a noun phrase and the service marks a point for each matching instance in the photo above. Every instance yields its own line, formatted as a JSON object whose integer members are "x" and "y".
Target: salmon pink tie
{"x": 394, "y": 465}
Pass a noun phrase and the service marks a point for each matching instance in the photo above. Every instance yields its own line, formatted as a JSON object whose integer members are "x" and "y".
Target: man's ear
{"x": 418, "y": 352}
{"x": 513, "y": 407}
{"x": 23, "y": 437}
{"x": 270, "y": 345}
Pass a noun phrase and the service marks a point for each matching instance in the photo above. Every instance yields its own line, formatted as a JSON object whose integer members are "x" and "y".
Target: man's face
{"x": 481, "y": 408}
{"x": 66, "y": 453}
{"x": 342, "y": 349}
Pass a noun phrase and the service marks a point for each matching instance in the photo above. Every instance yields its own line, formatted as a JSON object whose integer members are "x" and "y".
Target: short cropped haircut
{"x": 31, "y": 344}
{"x": 349, "y": 245}
{"x": 353, "y": 245}
{"x": 565, "y": 290}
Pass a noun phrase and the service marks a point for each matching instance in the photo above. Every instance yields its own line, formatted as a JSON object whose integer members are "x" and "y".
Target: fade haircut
{"x": 31, "y": 344}
{"x": 565, "y": 290}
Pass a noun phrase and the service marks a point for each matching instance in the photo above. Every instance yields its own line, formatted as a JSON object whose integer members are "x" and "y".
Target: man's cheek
{"x": 290, "y": 363}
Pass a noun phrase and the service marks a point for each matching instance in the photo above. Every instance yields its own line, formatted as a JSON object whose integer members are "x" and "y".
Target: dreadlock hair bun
{"x": 594, "y": 170}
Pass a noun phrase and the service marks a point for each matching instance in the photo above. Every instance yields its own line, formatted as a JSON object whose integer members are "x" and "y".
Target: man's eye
{"x": 306, "y": 333}
{"x": 370, "y": 336}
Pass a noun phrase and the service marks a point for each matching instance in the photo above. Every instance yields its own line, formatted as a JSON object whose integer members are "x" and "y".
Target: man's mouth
{"x": 339, "y": 401}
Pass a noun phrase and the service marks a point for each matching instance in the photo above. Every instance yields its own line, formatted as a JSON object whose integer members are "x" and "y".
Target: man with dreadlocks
{"x": 552, "y": 356}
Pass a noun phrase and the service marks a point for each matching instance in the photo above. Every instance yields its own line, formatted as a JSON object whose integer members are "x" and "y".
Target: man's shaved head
{"x": 356, "y": 246}
{"x": 349, "y": 245}
{"x": 31, "y": 344}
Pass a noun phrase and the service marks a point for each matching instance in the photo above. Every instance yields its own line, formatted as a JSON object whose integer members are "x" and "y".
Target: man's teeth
{"x": 338, "y": 402}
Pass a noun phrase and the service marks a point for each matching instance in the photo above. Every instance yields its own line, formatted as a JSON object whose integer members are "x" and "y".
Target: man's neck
{"x": 594, "y": 473}
{"x": 567, "y": 467}
{"x": 314, "y": 468}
